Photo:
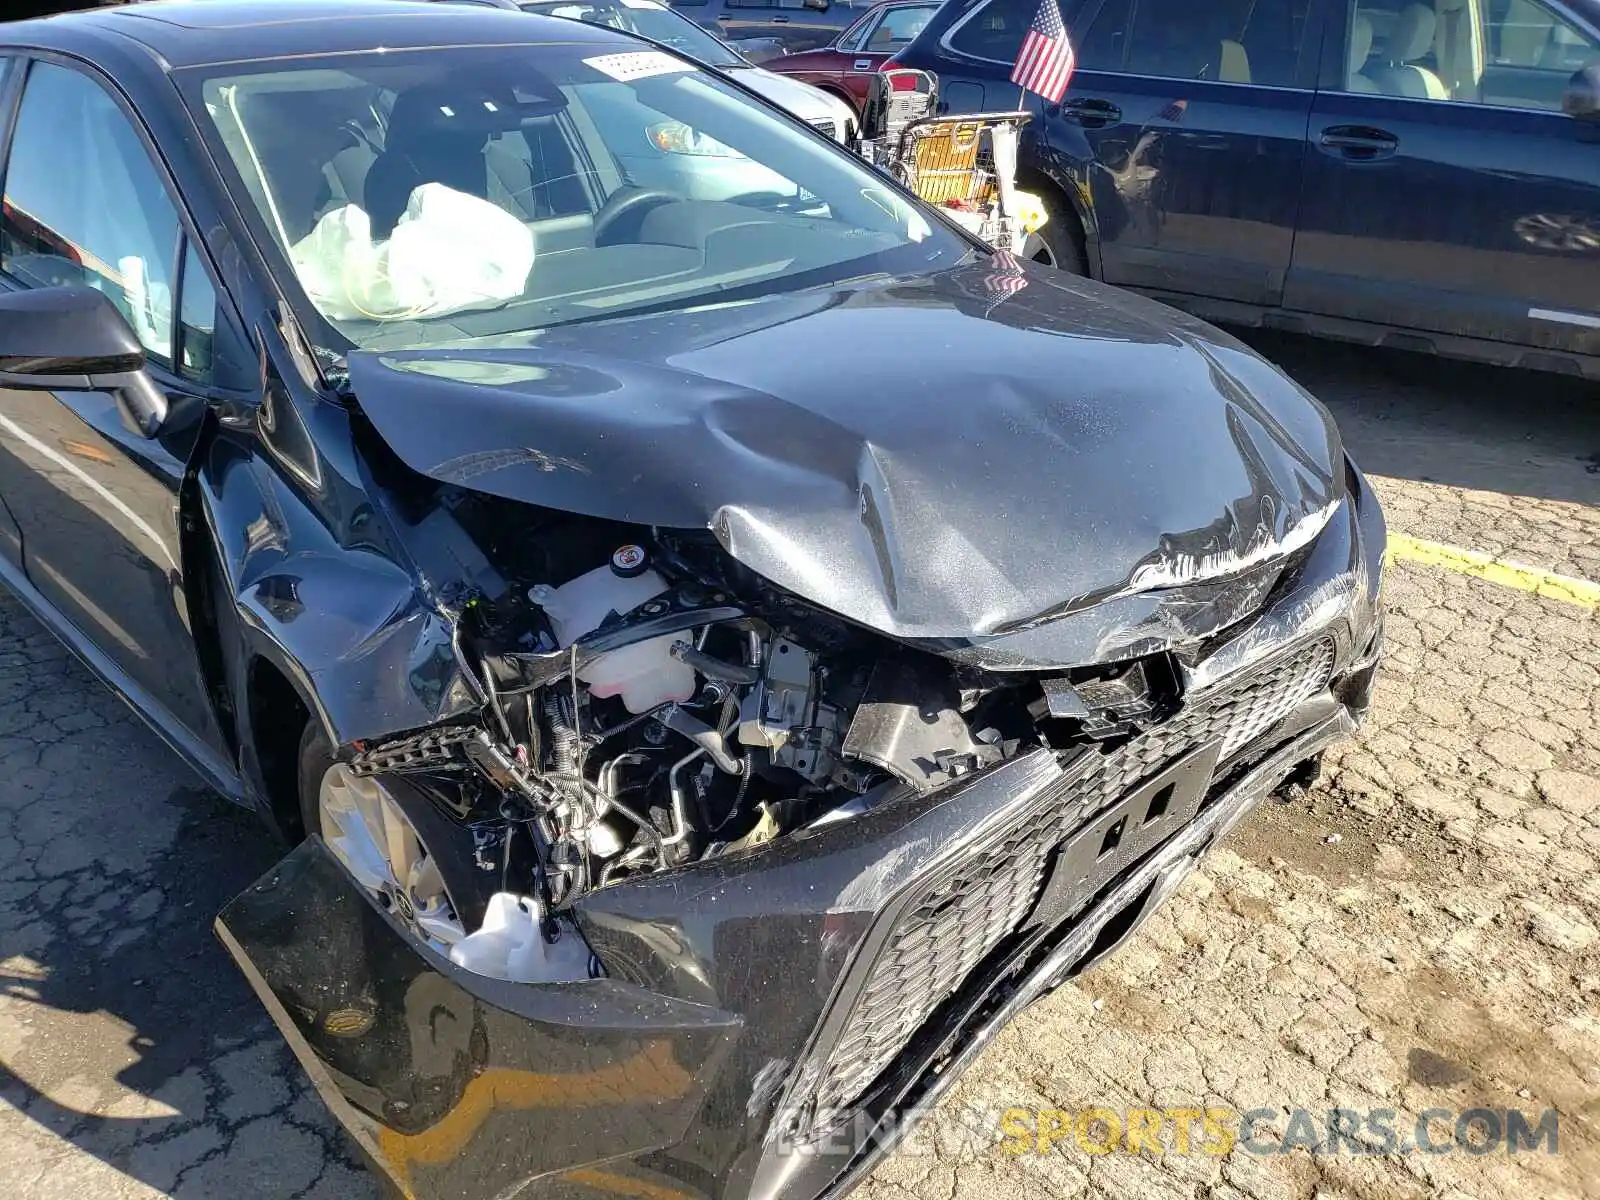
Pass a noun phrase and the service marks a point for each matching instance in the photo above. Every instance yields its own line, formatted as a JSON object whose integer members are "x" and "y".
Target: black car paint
{"x": 1222, "y": 198}
{"x": 700, "y": 420}
{"x": 735, "y": 962}
{"x": 258, "y": 472}
{"x": 672, "y": 1072}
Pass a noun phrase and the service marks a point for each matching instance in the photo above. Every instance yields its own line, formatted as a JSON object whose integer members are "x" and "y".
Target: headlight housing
{"x": 674, "y": 137}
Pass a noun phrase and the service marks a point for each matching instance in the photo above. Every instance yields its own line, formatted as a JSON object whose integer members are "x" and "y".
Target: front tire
{"x": 1059, "y": 241}
{"x": 415, "y": 862}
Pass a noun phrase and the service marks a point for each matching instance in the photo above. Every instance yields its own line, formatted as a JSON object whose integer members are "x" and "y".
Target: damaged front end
{"x": 734, "y": 881}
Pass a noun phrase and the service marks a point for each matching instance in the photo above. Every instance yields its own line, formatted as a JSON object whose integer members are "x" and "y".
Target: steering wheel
{"x": 625, "y": 203}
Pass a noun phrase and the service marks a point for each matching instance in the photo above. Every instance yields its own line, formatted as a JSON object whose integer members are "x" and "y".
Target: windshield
{"x": 431, "y": 196}
{"x": 652, "y": 20}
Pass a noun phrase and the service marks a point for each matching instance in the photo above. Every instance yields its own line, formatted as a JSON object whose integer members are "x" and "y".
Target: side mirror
{"x": 73, "y": 339}
{"x": 1582, "y": 97}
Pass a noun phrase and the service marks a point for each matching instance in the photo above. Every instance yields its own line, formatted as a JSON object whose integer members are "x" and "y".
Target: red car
{"x": 846, "y": 66}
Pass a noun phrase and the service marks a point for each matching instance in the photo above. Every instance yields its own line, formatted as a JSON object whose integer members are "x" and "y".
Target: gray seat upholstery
{"x": 1233, "y": 63}
{"x": 1356, "y": 55}
{"x": 527, "y": 170}
{"x": 294, "y": 152}
{"x": 1411, "y": 39}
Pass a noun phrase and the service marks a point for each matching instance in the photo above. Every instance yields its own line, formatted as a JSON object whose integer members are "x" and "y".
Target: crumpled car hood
{"x": 951, "y": 458}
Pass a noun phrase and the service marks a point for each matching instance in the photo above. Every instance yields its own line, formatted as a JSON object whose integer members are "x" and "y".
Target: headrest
{"x": 462, "y": 111}
{"x": 1413, "y": 33}
{"x": 1360, "y": 43}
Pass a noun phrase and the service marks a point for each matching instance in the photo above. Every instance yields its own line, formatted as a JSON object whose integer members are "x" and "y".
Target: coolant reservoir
{"x": 644, "y": 674}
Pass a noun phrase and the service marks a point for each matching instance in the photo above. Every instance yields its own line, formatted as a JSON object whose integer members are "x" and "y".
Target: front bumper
{"x": 770, "y": 1017}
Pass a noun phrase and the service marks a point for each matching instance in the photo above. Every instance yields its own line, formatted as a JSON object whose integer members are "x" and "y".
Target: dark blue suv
{"x": 1416, "y": 173}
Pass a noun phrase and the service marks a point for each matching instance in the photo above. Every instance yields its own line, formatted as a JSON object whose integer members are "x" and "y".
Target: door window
{"x": 197, "y": 317}
{"x": 993, "y": 31}
{"x": 1532, "y": 53}
{"x": 1228, "y": 41}
{"x": 1525, "y": 34}
{"x": 83, "y": 204}
{"x": 1505, "y": 53}
{"x": 897, "y": 29}
{"x": 1232, "y": 41}
{"x": 850, "y": 40}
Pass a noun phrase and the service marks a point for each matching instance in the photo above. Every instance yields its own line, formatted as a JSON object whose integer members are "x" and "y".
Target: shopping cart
{"x": 965, "y": 164}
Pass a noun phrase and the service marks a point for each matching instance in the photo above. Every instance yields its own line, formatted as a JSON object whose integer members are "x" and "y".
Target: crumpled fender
{"x": 454, "y": 1085}
{"x": 320, "y": 587}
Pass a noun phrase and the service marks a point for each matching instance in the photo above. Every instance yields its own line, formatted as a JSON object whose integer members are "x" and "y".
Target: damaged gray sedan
{"x": 719, "y": 640}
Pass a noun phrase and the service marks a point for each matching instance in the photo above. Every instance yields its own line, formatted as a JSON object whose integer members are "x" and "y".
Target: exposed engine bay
{"x": 651, "y": 702}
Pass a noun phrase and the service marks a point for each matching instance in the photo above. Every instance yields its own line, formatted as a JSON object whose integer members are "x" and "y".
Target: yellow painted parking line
{"x": 1496, "y": 570}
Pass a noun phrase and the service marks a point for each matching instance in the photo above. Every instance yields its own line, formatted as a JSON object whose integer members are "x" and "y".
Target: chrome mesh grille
{"x": 964, "y": 914}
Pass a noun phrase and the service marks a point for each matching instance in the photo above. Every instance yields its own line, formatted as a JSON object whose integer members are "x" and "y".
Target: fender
{"x": 1068, "y": 170}
{"x": 319, "y": 587}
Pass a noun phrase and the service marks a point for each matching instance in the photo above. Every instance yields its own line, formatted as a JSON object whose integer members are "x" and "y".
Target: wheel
{"x": 1059, "y": 241}
{"x": 413, "y": 860}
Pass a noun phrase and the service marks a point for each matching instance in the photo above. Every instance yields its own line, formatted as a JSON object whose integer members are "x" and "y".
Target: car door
{"x": 829, "y": 67}
{"x": 795, "y": 25}
{"x": 1446, "y": 190}
{"x": 96, "y": 504}
{"x": 1186, "y": 123}
{"x": 883, "y": 35}
{"x": 10, "y": 532}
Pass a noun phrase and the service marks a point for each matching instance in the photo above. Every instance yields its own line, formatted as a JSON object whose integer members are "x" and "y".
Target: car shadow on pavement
{"x": 1435, "y": 420}
{"x": 133, "y": 1037}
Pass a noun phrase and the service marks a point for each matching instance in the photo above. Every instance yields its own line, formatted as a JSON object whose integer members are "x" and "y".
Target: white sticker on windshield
{"x": 637, "y": 65}
{"x": 642, "y": 4}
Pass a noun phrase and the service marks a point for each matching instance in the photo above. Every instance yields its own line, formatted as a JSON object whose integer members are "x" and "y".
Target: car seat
{"x": 1357, "y": 52}
{"x": 882, "y": 39}
{"x": 1410, "y": 40}
{"x": 429, "y": 140}
{"x": 525, "y": 166}
{"x": 1206, "y": 48}
{"x": 1234, "y": 65}
{"x": 296, "y": 155}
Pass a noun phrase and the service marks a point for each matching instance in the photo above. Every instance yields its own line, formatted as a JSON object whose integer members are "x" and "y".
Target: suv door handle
{"x": 780, "y": 20}
{"x": 1359, "y": 143}
{"x": 1090, "y": 112}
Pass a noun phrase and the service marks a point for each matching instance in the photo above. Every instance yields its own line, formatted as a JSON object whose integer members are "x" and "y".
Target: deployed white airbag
{"x": 449, "y": 251}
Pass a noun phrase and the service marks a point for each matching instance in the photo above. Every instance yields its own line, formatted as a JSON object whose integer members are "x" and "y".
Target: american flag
{"x": 1045, "y": 63}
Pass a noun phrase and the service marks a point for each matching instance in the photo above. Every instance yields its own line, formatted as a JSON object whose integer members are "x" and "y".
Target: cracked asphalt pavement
{"x": 1421, "y": 930}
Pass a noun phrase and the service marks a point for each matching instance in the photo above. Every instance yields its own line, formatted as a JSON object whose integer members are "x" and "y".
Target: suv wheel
{"x": 1059, "y": 241}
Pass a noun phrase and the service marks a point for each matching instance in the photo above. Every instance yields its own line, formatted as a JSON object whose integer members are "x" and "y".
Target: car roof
{"x": 187, "y": 33}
